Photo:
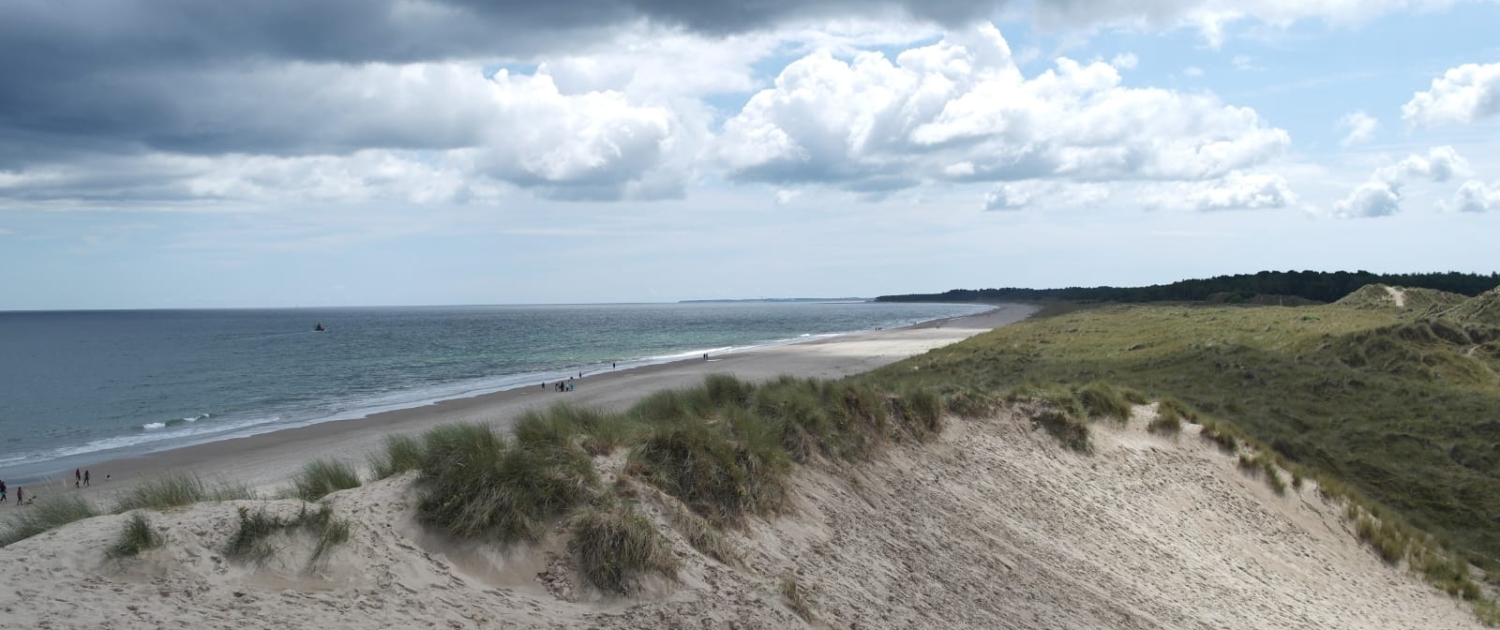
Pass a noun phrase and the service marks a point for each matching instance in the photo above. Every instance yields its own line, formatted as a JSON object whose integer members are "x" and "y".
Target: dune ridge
{"x": 994, "y": 524}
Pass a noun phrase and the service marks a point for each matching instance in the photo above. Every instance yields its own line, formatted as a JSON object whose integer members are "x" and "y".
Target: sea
{"x": 80, "y": 387}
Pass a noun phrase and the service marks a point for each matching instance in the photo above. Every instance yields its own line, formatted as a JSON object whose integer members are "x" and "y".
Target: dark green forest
{"x": 1317, "y": 286}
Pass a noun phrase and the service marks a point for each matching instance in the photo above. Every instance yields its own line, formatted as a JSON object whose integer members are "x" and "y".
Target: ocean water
{"x": 85, "y": 386}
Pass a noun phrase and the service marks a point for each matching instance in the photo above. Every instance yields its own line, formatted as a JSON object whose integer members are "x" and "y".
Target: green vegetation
{"x": 1265, "y": 467}
{"x": 252, "y": 541}
{"x": 476, "y": 484}
{"x": 1281, "y": 288}
{"x": 47, "y": 513}
{"x": 615, "y": 545}
{"x": 723, "y": 451}
{"x": 1066, "y": 427}
{"x": 1394, "y": 410}
{"x": 178, "y": 489}
{"x": 1169, "y": 416}
{"x": 321, "y": 477}
{"x": 136, "y": 536}
{"x": 1102, "y": 400}
{"x": 721, "y": 471}
{"x": 700, "y": 534}
{"x": 1391, "y": 404}
{"x": 399, "y": 454}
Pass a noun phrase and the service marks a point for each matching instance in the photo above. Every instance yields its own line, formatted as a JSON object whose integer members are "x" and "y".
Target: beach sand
{"x": 262, "y": 461}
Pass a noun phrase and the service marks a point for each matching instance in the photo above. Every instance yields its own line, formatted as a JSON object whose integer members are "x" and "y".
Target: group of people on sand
{"x": 20, "y": 494}
{"x": 81, "y": 479}
{"x": 567, "y": 386}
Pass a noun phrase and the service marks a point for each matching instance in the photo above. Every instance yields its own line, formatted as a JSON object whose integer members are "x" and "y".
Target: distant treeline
{"x": 1319, "y": 286}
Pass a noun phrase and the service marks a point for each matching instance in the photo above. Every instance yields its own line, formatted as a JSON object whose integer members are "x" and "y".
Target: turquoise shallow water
{"x": 80, "y": 387}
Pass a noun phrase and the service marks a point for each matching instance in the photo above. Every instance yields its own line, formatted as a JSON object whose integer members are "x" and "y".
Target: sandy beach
{"x": 264, "y": 460}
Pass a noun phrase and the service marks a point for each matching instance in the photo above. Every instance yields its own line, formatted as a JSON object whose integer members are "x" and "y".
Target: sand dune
{"x": 993, "y": 525}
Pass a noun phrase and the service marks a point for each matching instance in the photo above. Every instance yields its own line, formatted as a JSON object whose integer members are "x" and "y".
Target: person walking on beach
{"x": 85, "y": 478}
{"x": 2, "y": 491}
{"x": 77, "y": 477}
{"x": 20, "y": 495}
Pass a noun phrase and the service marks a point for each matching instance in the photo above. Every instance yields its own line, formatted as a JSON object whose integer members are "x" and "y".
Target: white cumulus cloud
{"x": 1006, "y": 197}
{"x": 1243, "y": 191}
{"x": 1359, "y": 128}
{"x": 1235, "y": 191}
{"x": 961, "y": 110}
{"x": 1476, "y": 196}
{"x": 1381, "y": 196}
{"x": 1439, "y": 165}
{"x": 594, "y": 145}
{"x": 1370, "y": 199}
{"x": 1465, "y": 94}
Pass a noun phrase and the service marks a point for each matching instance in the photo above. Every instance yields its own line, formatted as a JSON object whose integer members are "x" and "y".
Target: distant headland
{"x": 799, "y": 299}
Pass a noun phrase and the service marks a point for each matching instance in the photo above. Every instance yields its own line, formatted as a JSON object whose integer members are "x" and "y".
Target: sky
{"x": 201, "y": 154}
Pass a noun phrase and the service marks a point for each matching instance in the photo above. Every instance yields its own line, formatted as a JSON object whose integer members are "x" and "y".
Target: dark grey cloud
{"x": 296, "y": 78}
{"x": 200, "y": 76}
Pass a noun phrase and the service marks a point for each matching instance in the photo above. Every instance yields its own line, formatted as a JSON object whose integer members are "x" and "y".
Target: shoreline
{"x": 185, "y": 431}
{"x": 266, "y": 459}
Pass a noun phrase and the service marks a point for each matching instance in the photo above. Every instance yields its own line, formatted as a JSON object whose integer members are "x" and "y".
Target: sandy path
{"x": 264, "y": 460}
{"x": 1398, "y": 296}
{"x": 991, "y": 526}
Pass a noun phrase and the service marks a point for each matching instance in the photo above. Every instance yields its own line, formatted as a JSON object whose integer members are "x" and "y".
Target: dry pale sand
{"x": 265, "y": 460}
{"x": 993, "y": 525}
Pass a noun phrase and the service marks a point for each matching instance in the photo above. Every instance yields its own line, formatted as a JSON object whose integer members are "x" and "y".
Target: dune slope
{"x": 993, "y": 525}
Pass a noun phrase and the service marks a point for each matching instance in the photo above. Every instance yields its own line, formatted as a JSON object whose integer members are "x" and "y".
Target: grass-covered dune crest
{"x": 982, "y": 522}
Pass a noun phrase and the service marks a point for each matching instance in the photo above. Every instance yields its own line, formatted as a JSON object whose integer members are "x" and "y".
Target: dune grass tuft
{"x": 1272, "y": 475}
{"x": 1167, "y": 421}
{"x": 792, "y": 590}
{"x": 321, "y": 477}
{"x": 49, "y": 512}
{"x": 700, "y": 534}
{"x": 177, "y": 489}
{"x": 615, "y": 546}
{"x": 251, "y": 542}
{"x": 1067, "y": 428}
{"x": 398, "y": 454}
{"x": 1102, "y": 400}
{"x": 328, "y": 530}
{"x": 716, "y": 475}
{"x": 1220, "y": 433}
{"x": 475, "y": 484}
{"x": 136, "y": 535}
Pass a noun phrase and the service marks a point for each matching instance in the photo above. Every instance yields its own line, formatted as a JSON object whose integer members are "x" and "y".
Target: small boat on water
{"x": 319, "y": 327}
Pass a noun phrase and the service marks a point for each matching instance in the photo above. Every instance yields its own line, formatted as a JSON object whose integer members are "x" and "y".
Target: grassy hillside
{"x": 1402, "y": 403}
{"x": 1282, "y": 288}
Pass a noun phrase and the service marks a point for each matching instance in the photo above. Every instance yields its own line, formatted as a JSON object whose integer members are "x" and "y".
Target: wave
{"x": 152, "y": 426}
{"x": 169, "y": 434}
